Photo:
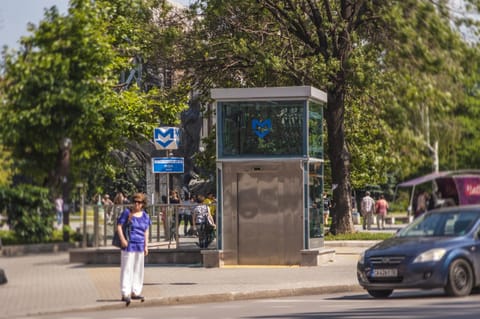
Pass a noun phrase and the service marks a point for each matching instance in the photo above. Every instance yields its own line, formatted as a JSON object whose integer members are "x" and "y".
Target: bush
{"x": 9, "y": 237}
{"x": 29, "y": 211}
{"x": 359, "y": 236}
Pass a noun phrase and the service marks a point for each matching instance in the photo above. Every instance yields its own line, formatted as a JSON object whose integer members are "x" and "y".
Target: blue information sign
{"x": 167, "y": 164}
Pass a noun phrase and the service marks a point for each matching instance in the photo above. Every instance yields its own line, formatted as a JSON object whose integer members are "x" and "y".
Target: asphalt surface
{"x": 48, "y": 283}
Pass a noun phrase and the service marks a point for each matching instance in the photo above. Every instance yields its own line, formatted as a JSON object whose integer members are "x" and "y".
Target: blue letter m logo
{"x": 261, "y": 128}
{"x": 166, "y": 137}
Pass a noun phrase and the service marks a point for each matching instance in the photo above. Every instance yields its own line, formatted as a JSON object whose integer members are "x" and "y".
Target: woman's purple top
{"x": 137, "y": 230}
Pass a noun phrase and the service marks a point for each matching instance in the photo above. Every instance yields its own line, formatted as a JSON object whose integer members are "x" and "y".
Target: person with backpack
{"x": 203, "y": 222}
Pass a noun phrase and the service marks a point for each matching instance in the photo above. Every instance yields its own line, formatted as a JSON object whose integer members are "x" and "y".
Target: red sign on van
{"x": 468, "y": 189}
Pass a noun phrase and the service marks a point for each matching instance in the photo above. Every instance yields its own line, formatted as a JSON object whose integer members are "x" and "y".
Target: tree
{"x": 428, "y": 71}
{"x": 308, "y": 42}
{"x": 29, "y": 211}
{"x": 64, "y": 82}
{"x": 55, "y": 87}
{"x": 350, "y": 50}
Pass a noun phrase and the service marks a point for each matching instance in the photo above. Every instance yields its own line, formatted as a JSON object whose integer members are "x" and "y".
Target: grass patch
{"x": 359, "y": 236}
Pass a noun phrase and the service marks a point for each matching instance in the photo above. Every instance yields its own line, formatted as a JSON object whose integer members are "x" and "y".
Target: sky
{"x": 16, "y": 14}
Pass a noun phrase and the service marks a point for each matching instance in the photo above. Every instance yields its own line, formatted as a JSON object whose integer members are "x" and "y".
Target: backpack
{"x": 201, "y": 212}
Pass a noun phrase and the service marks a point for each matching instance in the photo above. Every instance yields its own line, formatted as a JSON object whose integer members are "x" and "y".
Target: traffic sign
{"x": 166, "y": 138}
{"x": 168, "y": 164}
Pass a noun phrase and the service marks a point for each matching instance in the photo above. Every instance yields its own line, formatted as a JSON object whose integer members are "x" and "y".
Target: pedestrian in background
{"x": 187, "y": 215}
{"x": 203, "y": 223}
{"x": 421, "y": 205}
{"x": 59, "y": 210}
{"x": 174, "y": 197}
{"x": 211, "y": 201}
{"x": 119, "y": 203}
{"x": 108, "y": 207}
{"x": 381, "y": 209}
{"x": 367, "y": 208}
{"x": 134, "y": 249}
{"x": 327, "y": 204}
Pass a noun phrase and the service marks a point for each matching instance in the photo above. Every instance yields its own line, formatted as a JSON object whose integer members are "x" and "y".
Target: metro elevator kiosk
{"x": 269, "y": 174}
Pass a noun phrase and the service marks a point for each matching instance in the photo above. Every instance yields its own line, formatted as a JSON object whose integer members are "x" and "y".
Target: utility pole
{"x": 433, "y": 149}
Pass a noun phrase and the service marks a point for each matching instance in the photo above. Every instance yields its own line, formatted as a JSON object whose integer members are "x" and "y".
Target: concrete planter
{"x": 20, "y": 250}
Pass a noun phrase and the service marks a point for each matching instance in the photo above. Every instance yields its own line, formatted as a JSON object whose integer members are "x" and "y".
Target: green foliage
{"x": 206, "y": 160}
{"x": 29, "y": 211}
{"x": 425, "y": 64}
{"x": 64, "y": 82}
{"x": 10, "y": 238}
{"x": 5, "y": 167}
{"x": 55, "y": 87}
{"x": 395, "y": 74}
{"x": 359, "y": 236}
{"x": 399, "y": 77}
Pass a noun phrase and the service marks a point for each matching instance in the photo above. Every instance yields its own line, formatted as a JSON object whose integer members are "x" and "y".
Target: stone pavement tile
{"x": 41, "y": 283}
{"x": 48, "y": 283}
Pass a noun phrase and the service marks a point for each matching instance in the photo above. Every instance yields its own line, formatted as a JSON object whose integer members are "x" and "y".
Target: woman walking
{"x": 381, "y": 209}
{"x": 134, "y": 248}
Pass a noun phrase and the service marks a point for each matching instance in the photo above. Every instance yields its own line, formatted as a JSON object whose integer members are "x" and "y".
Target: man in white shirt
{"x": 367, "y": 208}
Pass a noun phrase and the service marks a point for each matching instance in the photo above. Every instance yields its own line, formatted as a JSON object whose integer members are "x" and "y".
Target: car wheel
{"x": 380, "y": 293}
{"x": 460, "y": 279}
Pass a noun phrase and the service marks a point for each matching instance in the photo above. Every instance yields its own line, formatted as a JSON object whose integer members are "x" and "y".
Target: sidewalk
{"x": 42, "y": 284}
{"x": 48, "y": 283}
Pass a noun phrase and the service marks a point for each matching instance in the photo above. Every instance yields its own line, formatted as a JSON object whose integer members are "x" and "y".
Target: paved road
{"x": 353, "y": 305}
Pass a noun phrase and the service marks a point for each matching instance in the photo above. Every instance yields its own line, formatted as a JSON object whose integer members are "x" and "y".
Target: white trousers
{"x": 131, "y": 272}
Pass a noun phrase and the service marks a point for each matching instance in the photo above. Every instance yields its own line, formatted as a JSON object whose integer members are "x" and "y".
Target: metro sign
{"x": 261, "y": 128}
{"x": 166, "y": 138}
{"x": 167, "y": 165}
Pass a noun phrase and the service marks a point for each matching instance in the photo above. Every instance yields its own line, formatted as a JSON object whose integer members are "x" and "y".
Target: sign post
{"x": 167, "y": 138}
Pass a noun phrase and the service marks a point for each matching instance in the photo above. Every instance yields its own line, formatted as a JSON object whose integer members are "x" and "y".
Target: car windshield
{"x": 434, "y": 224}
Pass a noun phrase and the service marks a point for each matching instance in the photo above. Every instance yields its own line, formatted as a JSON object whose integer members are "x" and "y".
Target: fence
{"x": 97, "y": 224}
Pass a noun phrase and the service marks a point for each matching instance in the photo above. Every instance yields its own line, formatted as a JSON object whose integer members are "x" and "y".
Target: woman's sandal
{"x": 139, "y": 297}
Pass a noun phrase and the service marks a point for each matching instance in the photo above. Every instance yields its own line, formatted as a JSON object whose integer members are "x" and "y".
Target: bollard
{"x": 356, "y": 218}
{"x": 3, "y": 277}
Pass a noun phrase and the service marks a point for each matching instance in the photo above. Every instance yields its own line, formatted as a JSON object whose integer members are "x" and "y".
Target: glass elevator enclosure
{"x": 269, "y": 174}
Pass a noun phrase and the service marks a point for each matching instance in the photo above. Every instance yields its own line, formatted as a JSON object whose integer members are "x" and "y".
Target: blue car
{"x": 440, "y": 249}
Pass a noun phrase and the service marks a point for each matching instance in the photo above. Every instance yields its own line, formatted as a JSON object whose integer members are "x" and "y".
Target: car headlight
{"x": 430, "y": 255}
{"x": 361, "y": 258}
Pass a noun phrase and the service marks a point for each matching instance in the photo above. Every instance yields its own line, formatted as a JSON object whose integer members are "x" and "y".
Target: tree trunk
{"x": 339, "y": 161}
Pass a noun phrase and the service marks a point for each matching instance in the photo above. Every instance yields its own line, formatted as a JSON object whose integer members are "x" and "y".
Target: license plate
{"x": 386, "y": 272}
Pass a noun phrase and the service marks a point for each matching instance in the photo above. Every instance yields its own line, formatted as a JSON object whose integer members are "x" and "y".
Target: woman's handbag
{"x": 126, "y": 233}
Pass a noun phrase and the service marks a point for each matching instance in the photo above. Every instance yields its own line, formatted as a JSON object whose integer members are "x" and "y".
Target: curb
{"x": 351, "y": 243}
{"x": 209, "y": 298}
